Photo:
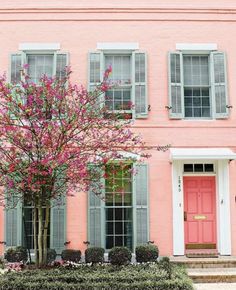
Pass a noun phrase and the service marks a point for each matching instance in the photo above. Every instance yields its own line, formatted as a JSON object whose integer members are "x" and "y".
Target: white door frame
{"x": 223, "y": 224}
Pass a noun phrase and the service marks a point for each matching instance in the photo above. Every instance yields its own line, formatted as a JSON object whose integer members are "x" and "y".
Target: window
{"x": 118, "y": 206}
{"x": 129, "y": 77}
{"x": 198, "y": 167}
{"x": 120, "y": 217}
{"x": 40, "y": 63}
{"x": 28, "y": 226}
{"x": 198, "y": 88}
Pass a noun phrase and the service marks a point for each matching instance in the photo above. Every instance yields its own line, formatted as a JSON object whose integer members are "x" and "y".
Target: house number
{"x": 179, "y": 184}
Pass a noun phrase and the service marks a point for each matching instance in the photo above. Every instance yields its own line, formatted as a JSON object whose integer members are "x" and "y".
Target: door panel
{"x": 200, "y": 211}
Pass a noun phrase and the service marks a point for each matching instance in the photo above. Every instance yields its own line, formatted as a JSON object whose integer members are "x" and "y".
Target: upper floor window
{"x": 50, "y": 63}
{"x": 129, "y": 76}
{"x": 198, "y": 87}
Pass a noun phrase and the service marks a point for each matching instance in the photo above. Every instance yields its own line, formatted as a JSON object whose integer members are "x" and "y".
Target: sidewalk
{"x": 215, "y": 286}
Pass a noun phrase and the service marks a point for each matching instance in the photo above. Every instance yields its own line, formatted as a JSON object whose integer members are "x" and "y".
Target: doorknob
{"x": 185, "y": 216}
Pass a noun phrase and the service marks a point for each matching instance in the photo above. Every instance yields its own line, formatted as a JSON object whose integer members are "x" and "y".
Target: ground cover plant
{"x": 82, "y": 276}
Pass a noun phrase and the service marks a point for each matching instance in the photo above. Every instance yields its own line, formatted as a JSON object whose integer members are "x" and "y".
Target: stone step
{"x": 214, "y": 275}
{"x": 221, "y": 262}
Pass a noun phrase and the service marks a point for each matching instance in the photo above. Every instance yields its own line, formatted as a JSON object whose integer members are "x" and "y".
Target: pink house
{"x": 176, "y": 61}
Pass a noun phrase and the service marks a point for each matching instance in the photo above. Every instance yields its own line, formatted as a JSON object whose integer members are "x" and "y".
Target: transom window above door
{"x": 198, "y": 86}
{"x": 198, "y": 167}
{"x": 128, "y": 78}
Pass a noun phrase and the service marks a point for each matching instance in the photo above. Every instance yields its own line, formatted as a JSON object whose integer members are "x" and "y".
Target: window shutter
{"x": 219, "y": 84}
{"x": 95, "y": 215}
{"x": 141, "y": 205}
{"x": 62, "y": 60}
{"x": 176, "y": 99}
{"x": 13, "y": 223}
{"x": 58, "y": 224}
{"x": 15, "y": 67}
{"x": 140, "y": 84}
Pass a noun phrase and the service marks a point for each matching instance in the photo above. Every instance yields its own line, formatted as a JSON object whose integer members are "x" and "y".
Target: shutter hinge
{"x": 86, "y": 242}
{"x": 3, "y": 242}
{"x": 168, "y": 107}
{"x": 229, "y": 106}
{"x": 66, "y": 243}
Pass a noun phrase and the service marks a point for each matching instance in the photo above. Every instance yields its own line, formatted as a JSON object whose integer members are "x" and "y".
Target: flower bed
{"x": 105, "y": 276}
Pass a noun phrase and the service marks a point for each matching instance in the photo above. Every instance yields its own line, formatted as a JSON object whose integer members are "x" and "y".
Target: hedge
{"x": 148, "y": 276}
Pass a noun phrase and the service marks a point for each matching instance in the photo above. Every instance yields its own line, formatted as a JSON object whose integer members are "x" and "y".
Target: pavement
{"x": 215, "y": 286}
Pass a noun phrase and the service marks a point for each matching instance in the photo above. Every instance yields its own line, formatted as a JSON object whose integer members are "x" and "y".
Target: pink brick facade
{"x": 156, "y": 26}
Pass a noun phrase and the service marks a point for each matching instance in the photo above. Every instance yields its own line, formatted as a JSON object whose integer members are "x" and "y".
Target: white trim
{"x": 178, "y": 209}
{"x": 39, "y": 46}
{"x": 196, "y": 46}
{"x": 222, "y": 207}
{"x": 117, "y": 45}
{"x": 202, "y": 154}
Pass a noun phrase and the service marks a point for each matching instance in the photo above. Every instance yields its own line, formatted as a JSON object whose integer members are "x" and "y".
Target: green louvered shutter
{"x": 58, "y": 215}
{"x": 13, "y": 224}
{"x": 58, "y": 224}
{"x": 141, "y": 205}
{"x": 15, "y": 67}
{"x": 176, "y": 99}
{"x": 219, "y": 84}
{"x": 95, "y": 215}
{"x": 62, "y": 60}
{"x": 140, "y": 84}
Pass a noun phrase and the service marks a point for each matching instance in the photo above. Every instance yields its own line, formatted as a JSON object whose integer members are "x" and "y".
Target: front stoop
{"x": 214, "y": 275}
{"x": 209, "y": 270}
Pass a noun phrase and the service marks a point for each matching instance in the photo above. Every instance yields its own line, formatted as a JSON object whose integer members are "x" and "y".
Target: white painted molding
{"x": 117, "y": 45}
{"x": 39, "y": 46}
{"x": 196, "y": 46}
{"x": 201, "y": 153}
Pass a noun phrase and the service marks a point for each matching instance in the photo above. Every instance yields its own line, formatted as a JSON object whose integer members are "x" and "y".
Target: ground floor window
{"x": 118, "y": 206}
{"x": 28, "y": 226}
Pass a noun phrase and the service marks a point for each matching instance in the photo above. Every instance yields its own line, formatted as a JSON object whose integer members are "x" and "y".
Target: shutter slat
{"x": 140, "y": 84}
{"x": 219, "y": 84}
{"x": 15, "y": 67}
{"x": 176, "y": 101}
{"x": 142, "y": 221}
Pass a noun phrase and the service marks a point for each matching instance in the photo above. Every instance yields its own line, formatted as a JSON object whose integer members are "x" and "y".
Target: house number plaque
{"x": 199, "y": 217}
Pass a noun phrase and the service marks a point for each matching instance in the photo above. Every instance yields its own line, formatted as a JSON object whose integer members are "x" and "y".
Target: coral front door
{"x": 200, "y": 212}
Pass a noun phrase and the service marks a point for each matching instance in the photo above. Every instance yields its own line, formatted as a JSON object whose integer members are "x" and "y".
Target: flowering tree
{"x": 50, "y": 133}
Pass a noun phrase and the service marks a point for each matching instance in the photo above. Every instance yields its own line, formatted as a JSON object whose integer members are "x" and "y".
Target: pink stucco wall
{"x": 157, "y": 26}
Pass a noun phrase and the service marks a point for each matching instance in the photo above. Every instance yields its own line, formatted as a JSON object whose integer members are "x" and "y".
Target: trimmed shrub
{"x": 51, "y": 255}
{"x": 133, "y": 277}
{"x": 119, "y": 256}
{"x": 94, "y": 255}
{"x": 16, "y": 254}
{"x": 71, "y": 255}
{"x": 166, "y": 265}
{"x": 146, "y": 253}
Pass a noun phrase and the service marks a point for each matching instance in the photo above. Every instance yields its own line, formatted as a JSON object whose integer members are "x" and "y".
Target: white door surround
{"x": 222, "y": 196}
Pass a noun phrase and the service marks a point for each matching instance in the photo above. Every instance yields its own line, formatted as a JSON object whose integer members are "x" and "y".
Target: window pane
{"x": 188, "y": 167}
{"x": 209, "y": 167}
{"x": 40, "y": 65}
{"x": 198, "y": 167}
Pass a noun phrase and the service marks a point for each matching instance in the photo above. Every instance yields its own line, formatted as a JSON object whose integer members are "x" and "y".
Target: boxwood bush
{"x": 71, "y": 255}
{"x": 119, "y": 256}
{"x": 146, "y": 253}
{"x": 51, "y": 255}
{"x": 94, "y": 255}
{"x": 99, "y": 277}
{"x": 16, "y": 254}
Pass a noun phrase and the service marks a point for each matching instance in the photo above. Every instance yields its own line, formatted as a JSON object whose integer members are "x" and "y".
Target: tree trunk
{"x": 40, "y": 234}
{"x": 35, "y": 236}
{"x": 45, "y": 234}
